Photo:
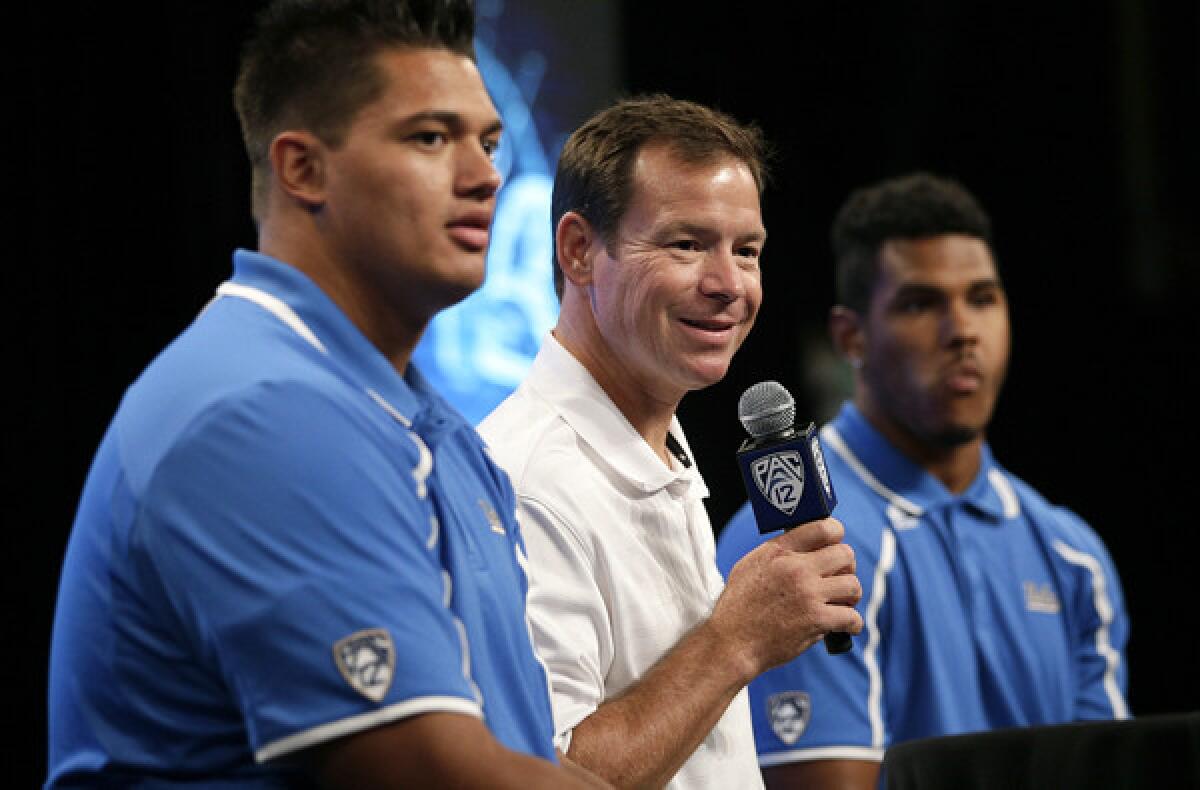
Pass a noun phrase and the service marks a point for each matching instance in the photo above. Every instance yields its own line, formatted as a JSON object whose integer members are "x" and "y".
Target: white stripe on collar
{"x": 1004, "y": 490}
{"x": 281, "y": 310}
{"x": 389, "y": 408}
{"x": 834, "y": 439}
{"x": 1000, "y": 483}
{"x": 276, "y": 307}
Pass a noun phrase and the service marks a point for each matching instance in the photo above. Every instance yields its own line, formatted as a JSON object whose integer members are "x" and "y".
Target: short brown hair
{"x": 309, "y": 65}
{"x": 595, "y": 170}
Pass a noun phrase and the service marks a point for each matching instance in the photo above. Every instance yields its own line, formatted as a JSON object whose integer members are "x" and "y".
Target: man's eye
{"x": 912, "y": 305}
{"x": 490, "y": 147}
{"x": 688, "y": 245}
{"x": 429, "y": 139}
{"x": 748, "y": 252}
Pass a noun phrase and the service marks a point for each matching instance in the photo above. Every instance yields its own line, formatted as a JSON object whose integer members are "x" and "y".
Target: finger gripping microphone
{"x": 783, "y": 469}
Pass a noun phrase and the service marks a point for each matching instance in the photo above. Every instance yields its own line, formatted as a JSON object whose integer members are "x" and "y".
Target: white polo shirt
{"x": 621, "y": 552}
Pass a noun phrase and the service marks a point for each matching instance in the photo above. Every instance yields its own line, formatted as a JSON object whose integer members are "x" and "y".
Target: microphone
{"x": 783, "y": 469}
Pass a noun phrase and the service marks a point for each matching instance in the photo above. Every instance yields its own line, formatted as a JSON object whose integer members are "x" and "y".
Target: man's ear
{"x": 298, "y": 161}
{"x": 847, "y": 333}
{"x": 573, "y": 239}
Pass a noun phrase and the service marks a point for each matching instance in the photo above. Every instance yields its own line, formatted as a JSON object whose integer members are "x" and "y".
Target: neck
{"x": 954, "y": 465}
{"x": 649, "y": 413}
{"x": 306, "y": 251}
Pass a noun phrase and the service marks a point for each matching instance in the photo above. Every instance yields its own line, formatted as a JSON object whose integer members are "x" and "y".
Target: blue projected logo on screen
{"x": 476, "y": 352}
{"x": 544, "y": 84}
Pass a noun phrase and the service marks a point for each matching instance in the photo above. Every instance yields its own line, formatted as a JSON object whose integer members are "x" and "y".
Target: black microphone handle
{"x": 837, "y": 642}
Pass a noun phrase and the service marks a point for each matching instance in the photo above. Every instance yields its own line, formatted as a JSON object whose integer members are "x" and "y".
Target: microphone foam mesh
{"x": 766, "y": 408}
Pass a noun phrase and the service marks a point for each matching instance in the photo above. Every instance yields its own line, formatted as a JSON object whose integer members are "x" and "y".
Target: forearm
{"x": 437, "y": 750}
{"x": 778, "y": 601}
{"x": 643, "y": 736}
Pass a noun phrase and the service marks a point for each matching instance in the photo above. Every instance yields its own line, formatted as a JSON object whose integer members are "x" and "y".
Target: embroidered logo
{"x": 780, "y": 478}
{"x": 821, "y": 470}
{"x": 1041, "y": 598}
{"x": 789, "y": 712}
{"x": 367, "y": 660}
{"x": 493, "y": 518}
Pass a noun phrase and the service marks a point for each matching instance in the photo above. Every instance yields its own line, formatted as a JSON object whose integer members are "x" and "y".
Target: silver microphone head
{"x": 766, "y": 408}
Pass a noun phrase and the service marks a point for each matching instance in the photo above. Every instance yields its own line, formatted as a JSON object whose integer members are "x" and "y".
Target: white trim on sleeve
{"x": 887, "y": 558}
{"x": 365, "y": 721}
{"x": 824, "y": 753}
{"x": 1104, "y": 609}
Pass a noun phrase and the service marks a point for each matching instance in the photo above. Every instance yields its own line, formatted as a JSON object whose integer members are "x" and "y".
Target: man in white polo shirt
{"x": 658, "y": 233}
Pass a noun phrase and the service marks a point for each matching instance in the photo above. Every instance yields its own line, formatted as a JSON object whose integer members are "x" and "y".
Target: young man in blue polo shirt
{"x": 293, "y": 563}
{"x": 984, "y": 605}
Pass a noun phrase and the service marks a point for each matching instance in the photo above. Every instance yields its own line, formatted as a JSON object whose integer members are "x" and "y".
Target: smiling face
{"x": 676, "y": 291}
{"x": 934, "y": 345}
{"x": 410, "y": 190}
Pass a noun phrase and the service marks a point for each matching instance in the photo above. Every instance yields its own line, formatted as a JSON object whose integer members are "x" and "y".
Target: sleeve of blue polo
{"x": 817, "y": 706}
{"x": 292, "y": 534}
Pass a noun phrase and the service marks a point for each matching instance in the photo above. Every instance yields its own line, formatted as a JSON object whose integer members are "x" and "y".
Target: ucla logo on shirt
{"x": 1041, "y": 598}
{"x": 367, "y": 661}
{"x": 789, "y": 712}
{"x": 780, "y": 478}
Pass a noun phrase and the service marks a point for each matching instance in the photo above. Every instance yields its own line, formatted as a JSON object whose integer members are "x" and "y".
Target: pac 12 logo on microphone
{"x": 780, "y": 478}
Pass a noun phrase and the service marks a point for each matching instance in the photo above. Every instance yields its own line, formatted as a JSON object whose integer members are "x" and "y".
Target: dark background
{"x": 1073, "y": 122}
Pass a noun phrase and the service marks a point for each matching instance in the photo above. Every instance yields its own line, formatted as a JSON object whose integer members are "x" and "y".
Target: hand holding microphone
{"x": 783, "y": 470}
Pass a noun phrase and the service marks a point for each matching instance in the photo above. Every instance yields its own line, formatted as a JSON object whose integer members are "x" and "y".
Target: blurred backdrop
{"x": 1073, "y": 122}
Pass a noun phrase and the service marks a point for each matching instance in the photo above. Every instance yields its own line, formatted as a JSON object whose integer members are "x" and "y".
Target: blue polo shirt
{"x": 282, "y": 541}
{"x": 988, "y": 609}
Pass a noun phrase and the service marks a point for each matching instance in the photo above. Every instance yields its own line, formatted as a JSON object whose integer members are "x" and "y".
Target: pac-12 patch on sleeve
{"x": 367, "y": 660}
{"x": 789, "y": 712}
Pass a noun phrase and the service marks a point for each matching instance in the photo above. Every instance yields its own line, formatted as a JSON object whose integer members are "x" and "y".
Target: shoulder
{"x": 291, "y": 446}
{"x": 225, "y": 361}
{"x": 1057, "y": 523}
{"x": 267, "y": 420}
{"x": 527, "y": 437}
{"x": 285, "y": 419}
{"x": 562, "y": 490}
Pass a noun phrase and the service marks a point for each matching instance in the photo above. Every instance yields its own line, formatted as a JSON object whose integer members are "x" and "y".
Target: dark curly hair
{"x": 914, "y": 206}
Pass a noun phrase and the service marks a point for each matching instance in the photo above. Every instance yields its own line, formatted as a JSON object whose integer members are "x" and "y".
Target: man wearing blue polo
{"x": 984, "y": 605}
{"x": 293, "y": 563}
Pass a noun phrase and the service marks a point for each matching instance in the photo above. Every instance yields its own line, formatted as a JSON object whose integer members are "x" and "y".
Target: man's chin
{"x": 452, "y": 290}
{"x": 705, "y": 375}
{"x": 951, "y": 436}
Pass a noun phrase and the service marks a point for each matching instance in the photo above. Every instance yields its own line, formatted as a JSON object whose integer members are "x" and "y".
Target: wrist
{"x": 728, "y": 652}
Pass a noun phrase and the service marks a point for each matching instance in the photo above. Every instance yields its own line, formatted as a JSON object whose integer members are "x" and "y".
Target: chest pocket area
{"x": 472, "y": 530}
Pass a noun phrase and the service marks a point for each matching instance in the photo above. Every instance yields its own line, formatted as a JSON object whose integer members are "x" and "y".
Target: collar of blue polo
{"x": 990, "y": 493}
{"x": 335, "y": 334}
